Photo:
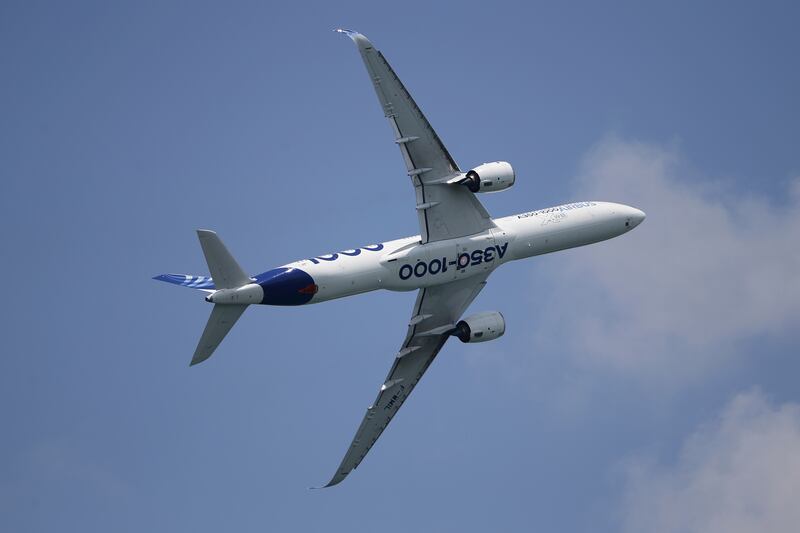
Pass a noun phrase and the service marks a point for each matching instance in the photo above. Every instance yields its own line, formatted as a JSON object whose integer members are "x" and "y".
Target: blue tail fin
{"x": 185, "y": 280}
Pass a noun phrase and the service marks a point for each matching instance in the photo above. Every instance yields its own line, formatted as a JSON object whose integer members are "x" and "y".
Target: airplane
{"x": 448, "y": 263}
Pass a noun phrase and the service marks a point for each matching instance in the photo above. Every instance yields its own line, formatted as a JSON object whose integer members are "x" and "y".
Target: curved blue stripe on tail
{"x": 185, "y": 280}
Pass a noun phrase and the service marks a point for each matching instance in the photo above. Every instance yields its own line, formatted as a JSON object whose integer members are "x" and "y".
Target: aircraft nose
{"x": 636, "y": 217}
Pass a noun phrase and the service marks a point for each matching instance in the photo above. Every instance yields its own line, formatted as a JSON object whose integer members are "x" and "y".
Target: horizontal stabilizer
{"x": 224, "y": 269}
{"x": 222, "y": 319}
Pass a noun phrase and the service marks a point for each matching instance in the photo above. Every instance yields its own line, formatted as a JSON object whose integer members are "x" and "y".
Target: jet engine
{"x": 489, "y": 177}
{"x": 481, "y": 327}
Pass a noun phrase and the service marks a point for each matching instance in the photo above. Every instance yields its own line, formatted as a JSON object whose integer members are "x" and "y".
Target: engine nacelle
{"x": 489, "y": 177}
{"x": 481, "y": 327}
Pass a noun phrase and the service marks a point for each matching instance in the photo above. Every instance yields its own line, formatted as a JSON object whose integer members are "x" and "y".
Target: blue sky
{"x": 644, "y": 384}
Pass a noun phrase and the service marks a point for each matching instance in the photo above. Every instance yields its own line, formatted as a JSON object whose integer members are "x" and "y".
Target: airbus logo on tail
{"x": 465, "y": 259}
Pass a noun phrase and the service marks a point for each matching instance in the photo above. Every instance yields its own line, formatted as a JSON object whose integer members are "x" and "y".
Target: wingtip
{"x": 357, "y": 38}
{"x": 335, "y": 480}
{"x": 197, "y": 359}
{"x": 200, "y": 356}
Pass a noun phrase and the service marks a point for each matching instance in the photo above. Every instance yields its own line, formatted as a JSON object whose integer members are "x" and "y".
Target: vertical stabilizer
{"x": 222, "y": 319}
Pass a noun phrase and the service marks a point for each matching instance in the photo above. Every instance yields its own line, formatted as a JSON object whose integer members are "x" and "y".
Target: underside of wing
{"x": 436, "y": 311}
{"x": 445, "y": 211}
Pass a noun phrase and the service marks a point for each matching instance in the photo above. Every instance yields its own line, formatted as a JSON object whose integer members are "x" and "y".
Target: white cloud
{"x": 740, "y": 473}
{"x": 706, "y": 271}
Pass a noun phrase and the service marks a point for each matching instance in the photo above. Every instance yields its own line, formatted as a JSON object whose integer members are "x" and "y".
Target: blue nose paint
{"x": 286, "y": 286}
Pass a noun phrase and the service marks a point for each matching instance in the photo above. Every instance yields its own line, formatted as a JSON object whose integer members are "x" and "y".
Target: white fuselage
{"x": 405, "y": 264}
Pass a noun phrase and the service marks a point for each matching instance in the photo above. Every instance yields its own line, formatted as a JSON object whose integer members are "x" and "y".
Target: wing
{"x": 435, "y": 313}
{"x": 445, "y": 211}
